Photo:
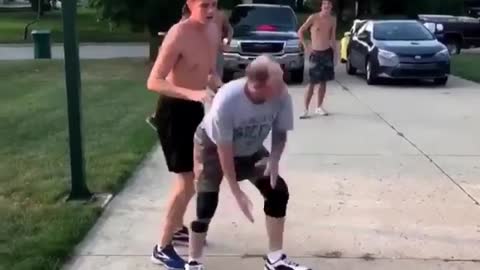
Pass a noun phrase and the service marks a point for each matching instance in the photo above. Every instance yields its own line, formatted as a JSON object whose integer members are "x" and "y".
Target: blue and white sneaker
{"x": 167, "y": 257}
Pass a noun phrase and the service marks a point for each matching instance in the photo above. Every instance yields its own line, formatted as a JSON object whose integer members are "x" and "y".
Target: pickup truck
{"x": 264, "y": 29}
{"x": 455, "y": 32}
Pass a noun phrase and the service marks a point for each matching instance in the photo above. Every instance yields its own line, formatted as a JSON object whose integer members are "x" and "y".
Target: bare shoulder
{"x": 313, "y": 16}
{"x": 175, "y": 32}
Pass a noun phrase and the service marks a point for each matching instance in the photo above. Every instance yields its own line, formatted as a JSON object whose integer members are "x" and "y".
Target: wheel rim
{"x": 452, "y": 48}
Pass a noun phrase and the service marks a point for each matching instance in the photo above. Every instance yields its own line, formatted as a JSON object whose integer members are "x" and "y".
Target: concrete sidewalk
{"x": 364, "y": 194}
{"x": 86, "y": 50}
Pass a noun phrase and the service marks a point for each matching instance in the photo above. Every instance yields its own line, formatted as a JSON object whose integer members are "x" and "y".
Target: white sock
{"x": 275, "y": 255}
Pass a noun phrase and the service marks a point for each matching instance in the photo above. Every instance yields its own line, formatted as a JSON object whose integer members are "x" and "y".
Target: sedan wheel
{"x": 371, "y": 78}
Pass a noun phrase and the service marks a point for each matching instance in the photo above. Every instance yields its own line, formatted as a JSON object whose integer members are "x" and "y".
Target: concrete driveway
{"x": 389, "y": 181}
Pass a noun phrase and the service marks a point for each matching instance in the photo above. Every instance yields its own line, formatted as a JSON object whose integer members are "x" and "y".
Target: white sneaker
{"x": 320, "y": 111}
{"x": 193, "y": 265}
{"x": 305, "y": 115}
{"x": 283, "y": 264}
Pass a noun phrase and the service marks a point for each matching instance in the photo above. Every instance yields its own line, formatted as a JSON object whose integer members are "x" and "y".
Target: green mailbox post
{"x": 42, "y": 48}
{"x": 79, "y": 189}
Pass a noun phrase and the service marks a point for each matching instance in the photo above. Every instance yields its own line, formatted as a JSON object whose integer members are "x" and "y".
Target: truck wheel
{"x": 454, "y": 46}
{"x": 441, "y": 81}
{"x": 297, "y": 75}
{"x": 227, "y": 76}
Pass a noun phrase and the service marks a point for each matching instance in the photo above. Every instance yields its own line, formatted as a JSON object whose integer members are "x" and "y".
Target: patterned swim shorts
{"x": 321, "y": 66}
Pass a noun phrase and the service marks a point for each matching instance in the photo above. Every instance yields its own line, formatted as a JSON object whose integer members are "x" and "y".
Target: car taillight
{"x": 266, "y": 27}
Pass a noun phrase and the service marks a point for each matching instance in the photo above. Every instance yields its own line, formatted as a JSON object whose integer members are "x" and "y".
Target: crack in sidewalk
{"x": 402, "y": 135}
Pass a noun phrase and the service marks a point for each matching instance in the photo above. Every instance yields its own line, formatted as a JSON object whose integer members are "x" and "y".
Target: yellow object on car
{"x": 344, "y": 46}
{"x": 357, "y": 24}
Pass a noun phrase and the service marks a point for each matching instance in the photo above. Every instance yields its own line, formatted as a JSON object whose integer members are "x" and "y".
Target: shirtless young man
{"x": 181, "y": 75}
{"x": 323, "y": 54}
{"x": 229, "y": 142}
{"x": 214, "y": 81}
{"x": 227, "y": 33}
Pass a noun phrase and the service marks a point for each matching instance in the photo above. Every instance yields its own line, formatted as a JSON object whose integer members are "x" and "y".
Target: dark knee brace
{"x": 206, "y": 206}
{"x": 276, "y": 200}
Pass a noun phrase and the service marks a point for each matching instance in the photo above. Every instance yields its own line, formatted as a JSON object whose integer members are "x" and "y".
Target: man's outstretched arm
{"x": 279, "y": 140}
{"x": 225, "y": 153}
{"x": 282, "y": 124}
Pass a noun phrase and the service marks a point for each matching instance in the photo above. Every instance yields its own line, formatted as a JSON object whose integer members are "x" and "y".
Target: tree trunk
{"x": 363, "y": 8}
{"x": 340, "y": 9}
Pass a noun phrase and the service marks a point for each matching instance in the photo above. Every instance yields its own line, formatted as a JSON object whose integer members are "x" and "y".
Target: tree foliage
{"x": 154, "y": 15}
{"x": 407, "y": 8}
{"x": 160, "y": 15}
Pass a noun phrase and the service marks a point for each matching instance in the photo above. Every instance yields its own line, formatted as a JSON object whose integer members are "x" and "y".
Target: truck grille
{"x": 262, "y": 47}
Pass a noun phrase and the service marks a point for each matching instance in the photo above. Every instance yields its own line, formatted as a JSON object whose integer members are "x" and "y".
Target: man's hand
{"x": 244, "y": 203}
{"x": 272, "y": 171}
{"x": 203, "y": 96}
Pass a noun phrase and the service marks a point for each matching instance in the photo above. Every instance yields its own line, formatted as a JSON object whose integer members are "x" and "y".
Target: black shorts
{"x": 321, "y": 66}
{"x": 176, "y": 121}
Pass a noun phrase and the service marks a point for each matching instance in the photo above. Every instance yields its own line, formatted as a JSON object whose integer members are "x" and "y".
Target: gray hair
{"x": 263, "y": 68}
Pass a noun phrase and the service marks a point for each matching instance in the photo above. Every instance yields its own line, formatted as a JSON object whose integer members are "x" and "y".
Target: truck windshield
{"x": 401, "y": 31}
{"x": 251, "y": 18}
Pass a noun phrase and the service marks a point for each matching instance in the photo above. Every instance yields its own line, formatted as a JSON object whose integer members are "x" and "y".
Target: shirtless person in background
{"x": 181, "y": 75}
{"x": 227, "y": 33}
{"x": 323, "y": 54}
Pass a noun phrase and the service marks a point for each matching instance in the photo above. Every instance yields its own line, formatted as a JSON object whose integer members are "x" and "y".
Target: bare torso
{"x": 321, "y": 32}
{"x": 197, "y": 56}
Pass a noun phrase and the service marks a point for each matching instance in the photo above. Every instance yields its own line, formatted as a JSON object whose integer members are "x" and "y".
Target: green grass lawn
{"x": 12, "y": 26}
{"x": 467, "y": 65}
{"x": 37, "y": 229}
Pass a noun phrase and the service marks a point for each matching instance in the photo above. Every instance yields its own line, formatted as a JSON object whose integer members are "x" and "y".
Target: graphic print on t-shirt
{"x": 252, "y": 131}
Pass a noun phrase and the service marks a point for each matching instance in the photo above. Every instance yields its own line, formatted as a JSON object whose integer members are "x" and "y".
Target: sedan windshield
{"x": 401, "y": 31}
{"x": 252, "y": 18}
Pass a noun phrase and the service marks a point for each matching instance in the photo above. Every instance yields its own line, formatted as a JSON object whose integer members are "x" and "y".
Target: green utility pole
{"x": 79, "y": 189}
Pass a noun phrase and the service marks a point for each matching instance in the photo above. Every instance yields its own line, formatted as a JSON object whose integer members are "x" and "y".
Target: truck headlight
{"x": 387, "y": 58}
{"x": 440, "y": 27}
{"x": 234, "y": 46}
{"x": 293, "y": 45}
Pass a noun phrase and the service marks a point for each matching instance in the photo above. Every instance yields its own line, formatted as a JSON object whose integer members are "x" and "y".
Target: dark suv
{"x": 264, "y": 29}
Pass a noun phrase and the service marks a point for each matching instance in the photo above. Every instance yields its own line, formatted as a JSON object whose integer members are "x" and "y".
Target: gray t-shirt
{"x": 234, "y": 118}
